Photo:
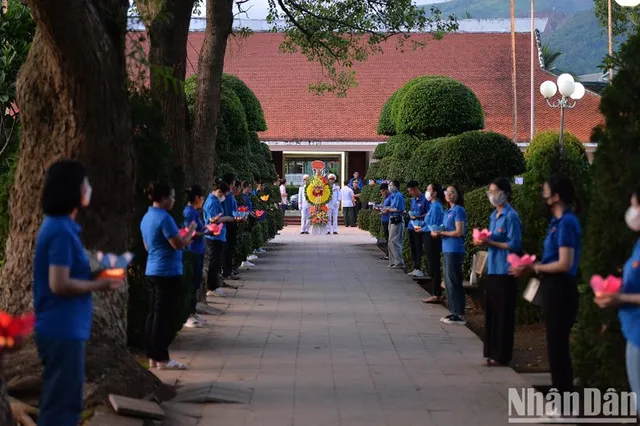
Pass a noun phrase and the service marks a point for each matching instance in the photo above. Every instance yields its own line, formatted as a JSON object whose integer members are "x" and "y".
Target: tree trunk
{"x": 73, "y": 103}
{"x": 207, "y": 108}
{"x": 513, "y": 71}
{"x": 6, "y": 417}
{"x": 168, "y": 28}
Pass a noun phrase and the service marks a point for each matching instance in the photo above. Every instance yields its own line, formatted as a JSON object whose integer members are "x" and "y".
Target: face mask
{"x": 392, "y": 188}
{"x": 222, "y": 198}
{"x": 497, "y": 199}
{"x": 86, "y": 198}
{"x": 632, "y": 217}
{"x": 427, "y": 195}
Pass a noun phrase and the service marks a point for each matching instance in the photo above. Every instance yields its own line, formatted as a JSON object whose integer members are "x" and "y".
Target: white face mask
{"x": 427, "y": 195}
{"x": 632, "y": 217}
{"x": 222, "y": 198}
{"x": 392, "y": 188}
{"x": 497, "y": 199}
{"x": 86, "y": 197}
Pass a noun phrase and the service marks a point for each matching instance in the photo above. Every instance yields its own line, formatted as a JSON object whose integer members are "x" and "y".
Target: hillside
{"x": 572, "y": 29}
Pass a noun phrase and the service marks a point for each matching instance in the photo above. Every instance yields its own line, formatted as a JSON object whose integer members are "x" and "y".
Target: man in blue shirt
{"x": 396, "y": 226}
{"x": 214, "y": 213}
{"x": 230, "y": 206}
{"x": 384, "y": 217}
{"x": 419, "y": 209}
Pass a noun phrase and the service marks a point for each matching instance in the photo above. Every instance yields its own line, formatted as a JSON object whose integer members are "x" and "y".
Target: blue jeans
{"x": 633, "y": 367}
{"x": 61, "y": 402}
{"x": 453, "y": 282}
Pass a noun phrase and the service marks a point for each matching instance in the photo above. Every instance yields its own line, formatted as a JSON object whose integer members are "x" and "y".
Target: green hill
{"x": 491, "y": 9}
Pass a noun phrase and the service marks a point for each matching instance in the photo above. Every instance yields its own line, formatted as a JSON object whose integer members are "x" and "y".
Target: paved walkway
{"x": 323, "y": 333}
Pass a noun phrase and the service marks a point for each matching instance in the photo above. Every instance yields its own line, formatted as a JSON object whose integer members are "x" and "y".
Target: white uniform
{"x": 303, "y": 206}
{"x": 334, "y": 206}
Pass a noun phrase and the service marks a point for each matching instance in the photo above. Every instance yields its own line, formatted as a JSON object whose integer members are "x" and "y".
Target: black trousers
{"x": 433, "y": 248}
{"x": 499, "y": 317}
{"x": 349, "y": 219}
{"x": 213, "y": 262}
{"x": 417, "y": 242}
{"x": 560, "y": 305}
{"x": 163, "y": 292}
{"x": 385, "y": 230}
{"x": 229, "y": 249}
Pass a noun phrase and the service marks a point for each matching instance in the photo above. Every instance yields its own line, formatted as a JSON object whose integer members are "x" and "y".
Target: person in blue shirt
{"x": 62, "y": 288}
{"x": 246, "y": 195}
{"x": 384, "y": 217}
{"x": 558, "y": 269}
{"x": 419, "y": 208}
{"x": 628, "y": 299}
{"x": 214, "y": 212}
{"x": 433, "y": 245}
{"x": 163, "y": 272}
{"x": 356, "y": 178}
{"x": 501, "y": 287}
{"x": 230, "y": 206}
{"x": 455, "y": 224}
{"x": 396, "y": 226}
{"x": 191, "y": 214}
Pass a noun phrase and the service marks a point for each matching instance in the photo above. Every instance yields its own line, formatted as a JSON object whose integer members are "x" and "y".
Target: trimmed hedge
{"x": 471, "y": 159}
{"x": 598, "y": 346}
{"x": 380, "y": 151}
{"x": 386, "y": 124}
{"x": 543, "y": 160}
{"x": 400, "y": 165}
{"x": 436, "y": 107}
{"x": 251, "y": 104}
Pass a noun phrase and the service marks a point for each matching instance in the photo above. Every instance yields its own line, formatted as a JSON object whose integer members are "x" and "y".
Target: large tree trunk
{"x": 207, "y": 109}
{"x": 167, "y": 23}
{"x": 73, "y": 103}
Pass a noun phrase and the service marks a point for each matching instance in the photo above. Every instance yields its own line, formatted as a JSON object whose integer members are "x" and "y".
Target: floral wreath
{"x": 318, "y": 192}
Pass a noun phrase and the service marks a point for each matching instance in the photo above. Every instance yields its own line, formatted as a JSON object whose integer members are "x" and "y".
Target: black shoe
{"x": 302, "y": 233}
{"x": 328, "y": 233}
{"x": 335, "y": 233}
{"x": 384, "y": 258}
{"x": 231, "y": 277}
{"x": 235, "y": 272}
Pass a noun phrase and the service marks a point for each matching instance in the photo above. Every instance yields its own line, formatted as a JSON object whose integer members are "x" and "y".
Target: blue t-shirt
{"x": 420, "y": 206}
{"x": 360, "y": 183}
{"x": 212, "y": 208}
{"x": 563, "y": 232}
{"x": 64, "y": 317}
{"x": 387, "y": 203}
{"x": 397, "y": 202}
{"x": 451, "y": 216}
{"x": 190, "y": 215}
{"x": 230, "y": 205}
{"x": 247, "y": 201}
{"x": 157, "y": 228}
{"x": 506, "y": 228}
{"x": 435, "y": 216}
{"x": 630, "y": 314}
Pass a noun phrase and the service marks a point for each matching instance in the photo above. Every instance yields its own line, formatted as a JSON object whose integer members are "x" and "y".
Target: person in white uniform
{"x": 303, "y": 206}
{"x": 333, "y": 205}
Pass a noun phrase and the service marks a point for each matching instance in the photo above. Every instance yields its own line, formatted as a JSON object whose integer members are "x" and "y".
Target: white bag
{"x": 532, "y": 293}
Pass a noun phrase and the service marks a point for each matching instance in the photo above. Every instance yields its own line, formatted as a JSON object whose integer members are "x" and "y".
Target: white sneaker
{"x": 453, "y": 319}
{"x": 418, "y": 273}
{"x": 192, "y": 323}
{"x": 246, "y": 265}
{"x": 211, "y": 293}
{"x": 252, "y": 257}
{"x": 200, "y": 318}
{"x": 412, "y": 273}
{"x": 171, "y": 365}
{"x": 220, "y": 293}
{"x": 259, "y": 251}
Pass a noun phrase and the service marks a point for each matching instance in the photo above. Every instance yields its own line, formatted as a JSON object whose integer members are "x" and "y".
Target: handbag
{"x": 395, "y": 220}
{"x": 532, "y": 293}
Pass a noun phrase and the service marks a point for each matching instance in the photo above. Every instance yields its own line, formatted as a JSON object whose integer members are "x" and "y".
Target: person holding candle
{"x": 501, "y": 288}
{"x": 433, "y": 245}
{"x": 191, "y": 214}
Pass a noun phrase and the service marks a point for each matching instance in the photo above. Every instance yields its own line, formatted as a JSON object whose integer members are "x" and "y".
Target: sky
{"x": 258, "y": 9}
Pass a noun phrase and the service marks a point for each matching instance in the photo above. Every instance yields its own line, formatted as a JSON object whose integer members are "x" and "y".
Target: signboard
{"x": 317, "y": 165}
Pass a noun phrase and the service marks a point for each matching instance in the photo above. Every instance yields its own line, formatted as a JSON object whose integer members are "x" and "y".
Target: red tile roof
{"x": 481, "y": 61}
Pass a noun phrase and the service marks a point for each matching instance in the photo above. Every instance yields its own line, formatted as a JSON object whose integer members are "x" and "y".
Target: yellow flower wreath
{"x": 318, "y": 191}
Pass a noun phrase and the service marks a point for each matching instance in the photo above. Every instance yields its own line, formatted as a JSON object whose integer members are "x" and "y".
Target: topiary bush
{"x": 380, "y": 151}
{"x": 399, "y": 164}
{"x": 437, "y": 106}
{"x": 252, "y": 108}
{"x": 543, "y": 160}
{"x": 598, "y": 346}
{"x": 386, "y": 125}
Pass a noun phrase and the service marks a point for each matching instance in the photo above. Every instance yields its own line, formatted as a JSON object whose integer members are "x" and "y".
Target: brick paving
{"x": 323, "y": 333}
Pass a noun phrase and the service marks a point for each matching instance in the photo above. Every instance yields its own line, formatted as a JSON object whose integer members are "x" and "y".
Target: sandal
{"x": 432, "y": 299}
{"x": 171, "y": 365}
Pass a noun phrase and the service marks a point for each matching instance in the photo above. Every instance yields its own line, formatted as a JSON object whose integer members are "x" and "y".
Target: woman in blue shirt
{"x": 419, "y": 208}
{"x": 191, "y": 214}
{"x": 62, "y": 288}
{"x": 558, "y": 269}
{"x": 455, "y": 223}
{"x": 629, "y": 298}
{"x": 163, "y": 273}
{"x": 214, "y": 212}
{"x": 501, "y": 288}
{"x": 433, "y": 245}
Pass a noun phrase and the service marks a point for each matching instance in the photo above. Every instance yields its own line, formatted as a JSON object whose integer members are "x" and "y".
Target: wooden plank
{"x": 136, "y": 407}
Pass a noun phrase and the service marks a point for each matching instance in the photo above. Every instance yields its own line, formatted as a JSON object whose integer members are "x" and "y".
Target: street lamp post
{"x": 623, "y": 3}
{"x": 570, "y": 92}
